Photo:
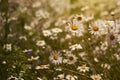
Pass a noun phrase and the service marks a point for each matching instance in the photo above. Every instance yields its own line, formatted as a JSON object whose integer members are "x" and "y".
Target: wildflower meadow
{"x": 59, "y": 39}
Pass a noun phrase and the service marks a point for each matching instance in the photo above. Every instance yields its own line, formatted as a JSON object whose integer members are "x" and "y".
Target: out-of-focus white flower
{"x": 83, "y": 68}
{"x": 42, "y": 67}
{"x": 96, "y": 77}
{"x": 38, "y": 78}
{"x": 96, "y": 60}
{"x": 12, "y": 78}
{"x": 75, "y": 46}
{"x": 71, "y": 77}
{"x": 58, "y": 69}
{"x": 3, "y": 62}
{"x": 55, "y": 58}
{"x": 106, "y": 66}
{"x": 27, "y": 50}
{"x": 23, "y": 38}
{"x": 26, "y": 27}
{"x": 119, "y": 39}
{"x": 60, "y": 6}
{"x": 85, "y": 8}
{"x": 33, "y": 58}
{"x": 60, "y": 77}
{"x": 65, "y": 60}
{"x": 89, "y": 18}
{"x": 104, "y": 13}
{"x": 20, "y": 78}
{"x": 8, "y": 47}
{"x": 34, "y": 23}
{"x": 118, "y": 3}
{"x": 109, "y": 23}
{"x": 40, "y": 43}
{"x": 23, "y": 9}
{"x": 56, "y": 30}
{"x": 47, "y": 33}
{"x": 68, "y": 36}
{"x": 53, "y": 37}
{"x": 104, "y": 46}
{"x": 117, "y": 56}
{"x": 36, "y": 4}
{"x": 83, "y": 55}
{"x": 42, "y": 14}
{"x": 60, "y": 22}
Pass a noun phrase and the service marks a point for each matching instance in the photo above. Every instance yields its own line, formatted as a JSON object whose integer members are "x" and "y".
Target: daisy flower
{"x": 71, "y": 59}
{"x": 97, "y": 28}
{"x": 96, "y": 77}
{"x": 8, "y": 47}
{"x": 112, "y": 38}
{"x": 112, "y": 26}
{"x": 79, "y": 17}
{"x": 83, "y": 68}
{"x": 71, "y": 77}
{"x": 55, "y": 58}
{"x": 109, "y": 23}
{"x": 76, "y": 26}
{"x": 40, "y": 43}
{"x": 46, "y": 33}
{"x": 42, "y": 67}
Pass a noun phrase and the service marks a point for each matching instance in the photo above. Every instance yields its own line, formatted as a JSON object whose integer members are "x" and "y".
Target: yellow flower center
{"x": 95, "y": 28}
{"x": 46, "y": 32}
{"x": 74, "y": 27}
{"x": 56, "y": 57}
{"x": 42, "y": 66}
{"x": 83, "y": 67}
